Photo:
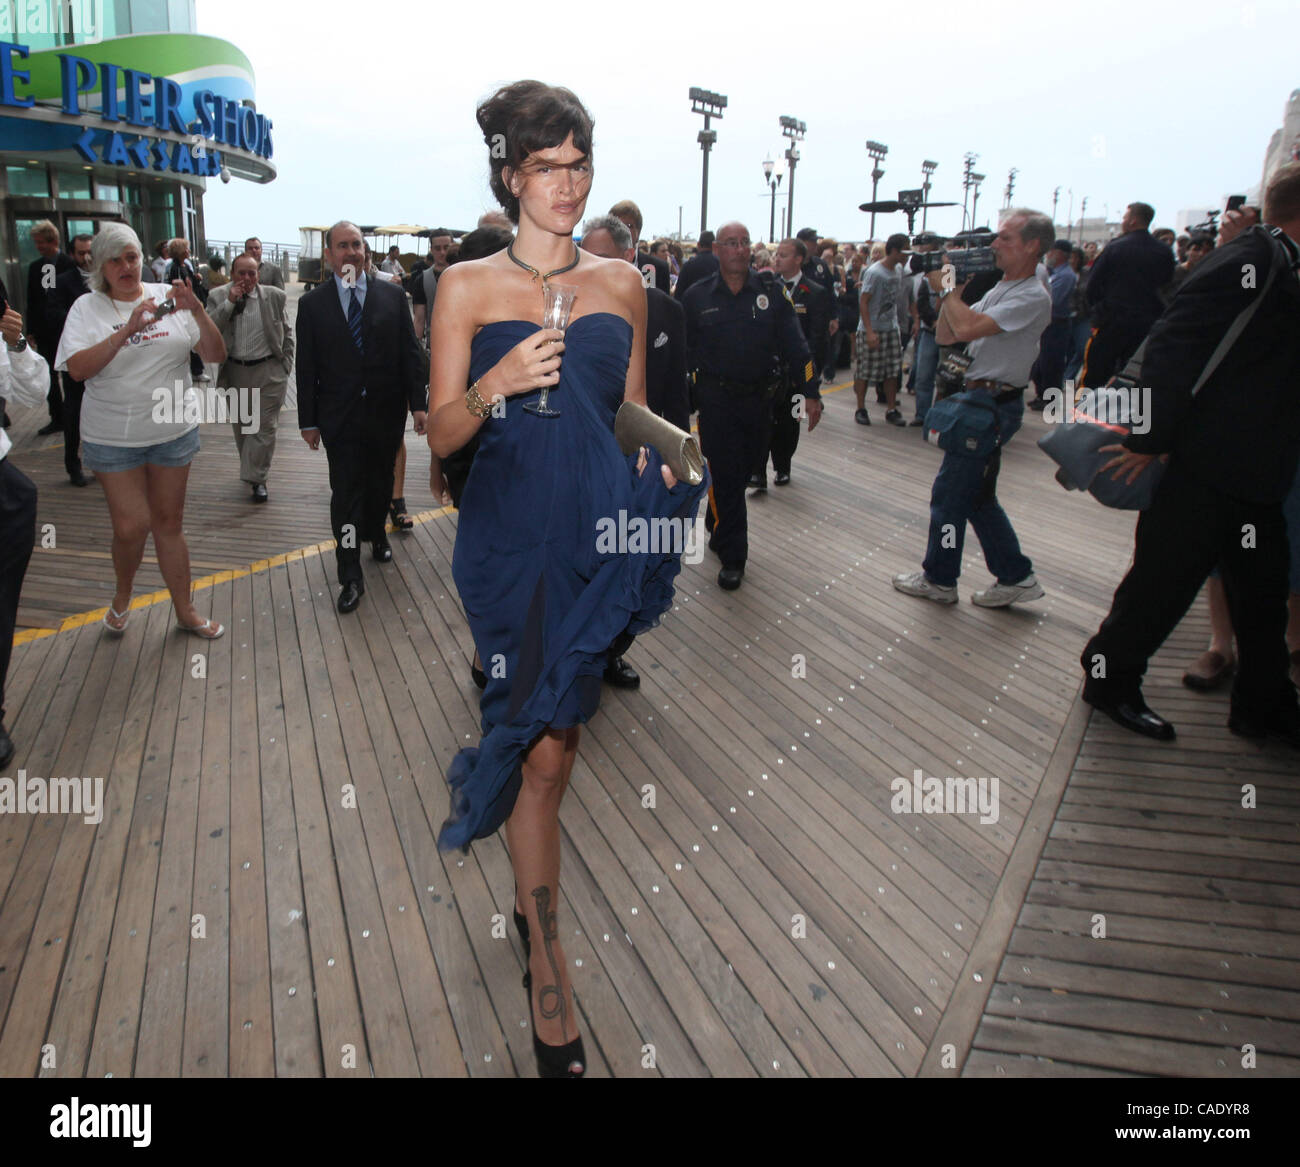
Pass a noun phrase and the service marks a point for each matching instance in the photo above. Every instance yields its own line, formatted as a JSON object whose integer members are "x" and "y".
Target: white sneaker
{"x": 916, "y": 584}
{"x": 1004, "y": 595}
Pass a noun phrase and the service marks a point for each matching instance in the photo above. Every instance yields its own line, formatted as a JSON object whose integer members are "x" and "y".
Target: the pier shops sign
{"x": 128, "y": 116}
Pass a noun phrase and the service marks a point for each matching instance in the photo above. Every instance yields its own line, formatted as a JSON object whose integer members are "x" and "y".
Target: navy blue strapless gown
{"x": 544, "y": 595}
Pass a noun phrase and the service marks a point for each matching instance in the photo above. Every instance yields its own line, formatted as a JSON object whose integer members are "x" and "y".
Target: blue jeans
{"x": 1080, "y": 330}
{"x": 925, "y": 364}
{"x": 965, "y": 490}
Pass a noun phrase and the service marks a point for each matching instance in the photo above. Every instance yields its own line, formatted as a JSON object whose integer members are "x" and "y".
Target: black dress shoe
{"x": 6, "y": 748}
{"x": 622, "y": 675}
{"x": 1132, "y": 713}
{"x": 729, "y": 578}
{"x": 1283, "y": 727}
{"x": 259, "y": 492}
{"x": 78, "y": 479}
{"x": 55, "y": 427}
{"x": 382, "y": 550}
{"x": 758, "y": 481}
{"x": 350, "y": 596}
{"x": 782, "y": 479}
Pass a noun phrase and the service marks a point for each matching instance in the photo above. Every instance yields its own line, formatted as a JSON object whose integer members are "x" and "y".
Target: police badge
{"x": 762, "y": 302}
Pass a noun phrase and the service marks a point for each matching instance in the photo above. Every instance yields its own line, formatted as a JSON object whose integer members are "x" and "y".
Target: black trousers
{"x": 1188, "y": 528}
{"x": 784, "y": 438}
{"x": 734, "y": 433}
{"x": 17, "y": 538}
{"x": 361, "y": 487}
{"x": 1109, "y": 349}
{"x": 73, "y": 392}
{"x": 48, "y": 346}
{"x": 1049, "y": 369}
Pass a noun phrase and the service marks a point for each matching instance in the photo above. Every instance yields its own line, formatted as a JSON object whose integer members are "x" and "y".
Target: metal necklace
{"x": 577, "y": 255}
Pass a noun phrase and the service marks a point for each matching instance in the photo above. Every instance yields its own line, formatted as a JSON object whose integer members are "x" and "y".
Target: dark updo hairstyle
{"x": 526, "y": 117}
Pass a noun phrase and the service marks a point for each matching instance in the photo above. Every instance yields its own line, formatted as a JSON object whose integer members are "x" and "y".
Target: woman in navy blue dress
{"x": 545, "y": 595}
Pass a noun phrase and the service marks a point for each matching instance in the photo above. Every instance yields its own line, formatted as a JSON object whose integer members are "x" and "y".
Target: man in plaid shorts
{"x": 878, "y": 353}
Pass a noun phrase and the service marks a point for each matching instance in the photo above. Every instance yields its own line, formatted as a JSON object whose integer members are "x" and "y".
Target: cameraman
{"x": 1232, "y": 458}
{"x": 1002, "y": 331}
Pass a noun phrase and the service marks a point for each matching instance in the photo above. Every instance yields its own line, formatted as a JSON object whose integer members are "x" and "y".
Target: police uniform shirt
{"x": 743, "y": 336}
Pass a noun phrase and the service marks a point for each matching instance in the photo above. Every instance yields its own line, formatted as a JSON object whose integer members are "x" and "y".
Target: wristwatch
{"x": 21, "y": 346}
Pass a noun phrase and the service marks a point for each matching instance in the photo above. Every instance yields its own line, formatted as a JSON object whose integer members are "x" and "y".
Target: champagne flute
{"x": 557, "y": 304}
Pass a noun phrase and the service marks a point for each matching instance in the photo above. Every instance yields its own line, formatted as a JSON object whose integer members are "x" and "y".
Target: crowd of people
{"x": 739, "y": 335}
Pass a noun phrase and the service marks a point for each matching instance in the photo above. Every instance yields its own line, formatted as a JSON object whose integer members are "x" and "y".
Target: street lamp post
{"x": 793, "y": 129}
{"x": 711, "y": 105}
{"x": 1056, "y": 195}
{"x": 877, "y": 151}
{"x": 1083, "y": 212}
{"x": 927, "y": 171}
{"x": 975, "y": 180}
{"x": 773, "y": 182}
{"x": 1011, "y": 185}
{"x": 968, "y": 167}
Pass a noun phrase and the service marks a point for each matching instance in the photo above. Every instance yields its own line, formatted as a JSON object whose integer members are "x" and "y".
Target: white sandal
{"x": 208, "y": 630}
{"x": 114, "y": 614}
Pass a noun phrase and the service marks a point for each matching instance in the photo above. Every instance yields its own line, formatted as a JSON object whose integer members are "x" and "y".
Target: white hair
{"x": 110, "y": 241}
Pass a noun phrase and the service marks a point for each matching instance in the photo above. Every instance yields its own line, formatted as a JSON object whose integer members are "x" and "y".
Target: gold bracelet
{"x": 476, "y": 405}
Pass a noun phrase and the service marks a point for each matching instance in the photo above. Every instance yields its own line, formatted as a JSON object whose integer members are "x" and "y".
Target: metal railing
{"x": 285, "y": 255}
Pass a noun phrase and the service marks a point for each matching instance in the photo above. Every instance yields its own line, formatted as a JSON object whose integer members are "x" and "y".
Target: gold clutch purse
{"x": 636, "y": 426}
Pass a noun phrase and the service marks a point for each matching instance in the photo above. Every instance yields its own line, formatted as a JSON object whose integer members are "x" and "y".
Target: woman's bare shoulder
{"x": 618, "y": 279}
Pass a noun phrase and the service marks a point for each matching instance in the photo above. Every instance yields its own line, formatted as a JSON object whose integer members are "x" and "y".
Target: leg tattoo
{"x": 550, "y": 998}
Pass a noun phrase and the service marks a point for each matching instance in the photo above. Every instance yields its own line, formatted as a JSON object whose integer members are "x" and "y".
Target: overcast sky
{"x": 373, "y": 104}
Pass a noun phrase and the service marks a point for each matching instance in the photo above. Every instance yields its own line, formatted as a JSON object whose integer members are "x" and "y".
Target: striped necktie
{"x": 354, "y": 320}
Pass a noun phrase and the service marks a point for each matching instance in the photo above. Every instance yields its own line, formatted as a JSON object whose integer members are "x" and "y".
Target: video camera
{"x": 1211, "y": 225}
{"x": 966, "y": 261}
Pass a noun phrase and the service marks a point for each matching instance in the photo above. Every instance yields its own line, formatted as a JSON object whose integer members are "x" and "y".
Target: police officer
{"x": 811, "y": 308}
{"x": 814, "y": 267}
{"x": 739, "y": 325}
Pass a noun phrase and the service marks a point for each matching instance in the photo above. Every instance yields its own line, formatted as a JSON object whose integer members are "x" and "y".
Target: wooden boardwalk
{"x": 263, "y": 895}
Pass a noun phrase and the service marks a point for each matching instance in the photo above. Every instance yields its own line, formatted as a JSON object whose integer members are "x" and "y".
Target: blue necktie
{"x": 354, "y": 320}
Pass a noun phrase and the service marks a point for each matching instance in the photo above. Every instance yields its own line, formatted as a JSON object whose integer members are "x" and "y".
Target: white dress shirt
{"x": 24, "y": 378}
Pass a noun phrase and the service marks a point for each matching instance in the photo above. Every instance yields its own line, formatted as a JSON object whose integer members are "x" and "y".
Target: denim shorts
{"x": 107, "y": 459}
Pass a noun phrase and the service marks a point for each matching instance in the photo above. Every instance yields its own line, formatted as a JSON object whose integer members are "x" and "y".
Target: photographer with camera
{"x": 1232, "y": 451}
{"x": 1002, "y": 331}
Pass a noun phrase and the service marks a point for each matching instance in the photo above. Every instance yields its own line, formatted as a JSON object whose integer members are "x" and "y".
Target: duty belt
{"x": 1002, "y": 391}
{"x": 765, "y": 387}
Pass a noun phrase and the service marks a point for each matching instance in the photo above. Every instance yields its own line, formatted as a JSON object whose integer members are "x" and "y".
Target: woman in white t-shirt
{"x": 140, "y": 415}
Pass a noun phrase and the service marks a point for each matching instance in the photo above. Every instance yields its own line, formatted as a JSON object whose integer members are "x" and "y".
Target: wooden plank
{"x": 1146, "y": 956}
{"x": 78, "y": 997}
{"x": 1143, "y": 1055}
{"x": 249, "y": 1037}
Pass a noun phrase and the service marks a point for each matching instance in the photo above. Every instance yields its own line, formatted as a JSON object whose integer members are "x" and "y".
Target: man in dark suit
{"x": 42, "y": 309}
{"x": 1124, "y": 294}
{"x": 812, "y": 307}
{"x": 653, "y": 270}
{"x": 1232, "y": 451}
{"x": 70, "y": 286}
{"x": 359, "y": 370}
{"x": 666, "y": 389}
{"x": 700, "y": 266}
